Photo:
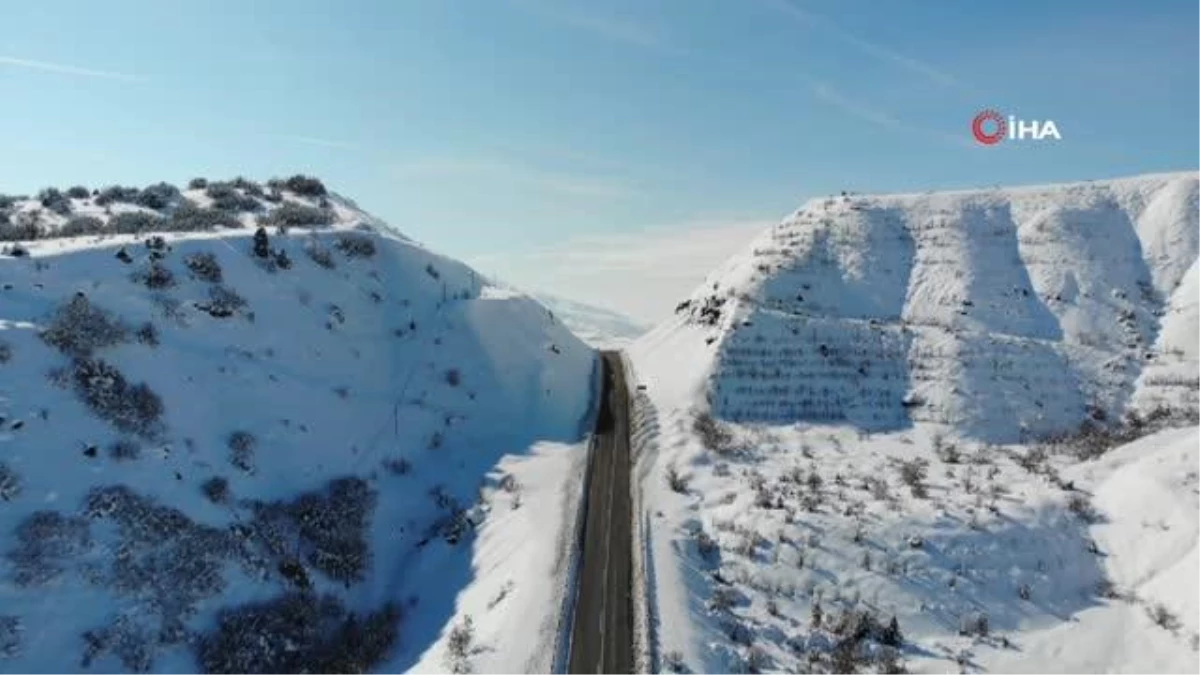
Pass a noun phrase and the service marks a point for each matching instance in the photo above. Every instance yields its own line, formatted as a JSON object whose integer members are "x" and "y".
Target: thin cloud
{"x": 319, "y": 142}
{"x": 874, "y": 49}
{"x": 67, "y": 69}
{"x": 585, "y": 17}
{"x": 494, "y": 169}
{"x": 831, "y": 96}
{"x": 640, "y": 274}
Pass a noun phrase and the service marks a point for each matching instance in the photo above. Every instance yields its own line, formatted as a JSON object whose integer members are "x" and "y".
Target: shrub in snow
{"x": 116, "y": 193}
{"x": 222, "y": 302}
{"x": 126, "y": 638}
{"x": 293, "y": 214}
{"x": 125, "y": 449}
{"x": 204, "y": 266}
{"x": 241, "y": 450}
{"x": 10, "y": 483}
{"x": 757, "y": 660}
{"x": 132, "y": 408}
{"x": 46, "y": 541}
{"x": 297, "y": 633}
{"x": 319, "y": 254}
{"x": 1163, "y": 617}
{"x": 158, "y": 196}
{"x": 197, "y": 183}
{"x": 189, "y": 217}
{"x": 11, "y": 631}
{"x": 164, "y": 561}
{"x": 300, "y": 184}
{"x": 147, "y": 334}
{"x": 79, "y": 226}
{"x": 328, "y": 527}
{"x": 356, "y": 245}
{"x": 673, "y": 660}
{"x": 78, "y": 192}
{"x": 156, "y": 276}
{"x": 78, "y": 328}
{"x": 25, "y": 227}
{"x": 216, "y": 489}
{"x": 712, "y": 433}
{"x": 226, "y": 197}
{"x": 676, "y": 481}
{"x": 54, "y": 200}
{"x": 458, "y": 644}
{"x": 5, "y": 352}
{"x": 135, "y": 222}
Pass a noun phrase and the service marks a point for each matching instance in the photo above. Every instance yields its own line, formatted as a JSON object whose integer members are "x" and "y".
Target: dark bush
{"x": 712, "y": 433}
{"x": 10, "y": 483}
{"x": 46, "y": 541}
{"x": 78, "y": 192}
{"x": 216, "y": 489}
{"x": 330, "y": 528}
{"x": 81, "y": 225}
{"x": 156, "y": 276}
{"x": 197, "y": 183}
{"x": 226, "y": 197}
{"x": 54, "y": 200}
{"x": 222, "y": 302}
{"x": 132, "y": 408}
{"x": 26, "y": 227}
{"x": 135, "y": 222}
{"x": 298, "y": 632}
{"x": 117, "y": 193}
{"x": 158, "y": 196}
{"x": 147, "y": 334}
{"x": 305, "y": 186}
{"x": 79, "y": 327}
{"x": 293, "y": 214}
{"x": 5, "y": 352}
{"x": 356, "y": 245}
{"x": 125, "y": 449}
{"x": 189, "y": 217}
{"x": 241, "y": 450}
{"x": 204, "y": 265}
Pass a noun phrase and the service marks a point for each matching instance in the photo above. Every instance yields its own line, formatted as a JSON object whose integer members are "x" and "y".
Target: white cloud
{"x": 66, "y": 69}
{"x": 640, "y": 274}
{"x": 874, "y": 49}
{"x": 493, "y": 169}
{"x": 585, "y": 16}
{"x": 832, "y": 96}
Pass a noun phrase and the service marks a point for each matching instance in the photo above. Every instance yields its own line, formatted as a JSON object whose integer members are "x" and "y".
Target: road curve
{"x": 602, "y": 630}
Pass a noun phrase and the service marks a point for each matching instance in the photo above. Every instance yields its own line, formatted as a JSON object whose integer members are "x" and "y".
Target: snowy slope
{"x": 858, "y": 414}
{"x": 599, "y": 327}
{"x": 352, "y": 415}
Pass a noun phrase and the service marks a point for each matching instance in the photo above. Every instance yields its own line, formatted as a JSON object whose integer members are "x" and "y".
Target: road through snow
{"x": 602, "y": 632}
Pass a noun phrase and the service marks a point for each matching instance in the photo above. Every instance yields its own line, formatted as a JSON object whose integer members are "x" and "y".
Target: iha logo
{"x": 990, "y": 127}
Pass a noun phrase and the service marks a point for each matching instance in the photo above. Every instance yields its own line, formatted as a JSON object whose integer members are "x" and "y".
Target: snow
{"x": 598, "y": 327}
{"x": 864, "y": 334}
{"x": 402, "y": 368}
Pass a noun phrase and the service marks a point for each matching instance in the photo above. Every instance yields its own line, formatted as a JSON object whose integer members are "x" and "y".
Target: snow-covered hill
{"x": 857, "y": 413}
{"x": 326, "y": 448}
{"x": 599, "y": 327}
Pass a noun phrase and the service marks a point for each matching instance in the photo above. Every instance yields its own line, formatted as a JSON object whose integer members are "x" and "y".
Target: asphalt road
{"x": 602, "y": 634}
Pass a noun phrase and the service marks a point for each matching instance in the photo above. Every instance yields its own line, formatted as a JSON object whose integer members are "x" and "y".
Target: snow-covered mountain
{"x": 322, "y": 446}
{"x": 599, "y": 327}
{"x": 879, "y": 410}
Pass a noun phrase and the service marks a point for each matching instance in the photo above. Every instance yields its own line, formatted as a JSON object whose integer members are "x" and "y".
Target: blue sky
{"x": 489, "y": 127}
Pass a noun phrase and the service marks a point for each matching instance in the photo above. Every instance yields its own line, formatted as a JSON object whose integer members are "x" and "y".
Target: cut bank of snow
{"x": 402, "y": 355}
{"x": 599, "y": 327}
{"x": 841, "y": 345}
